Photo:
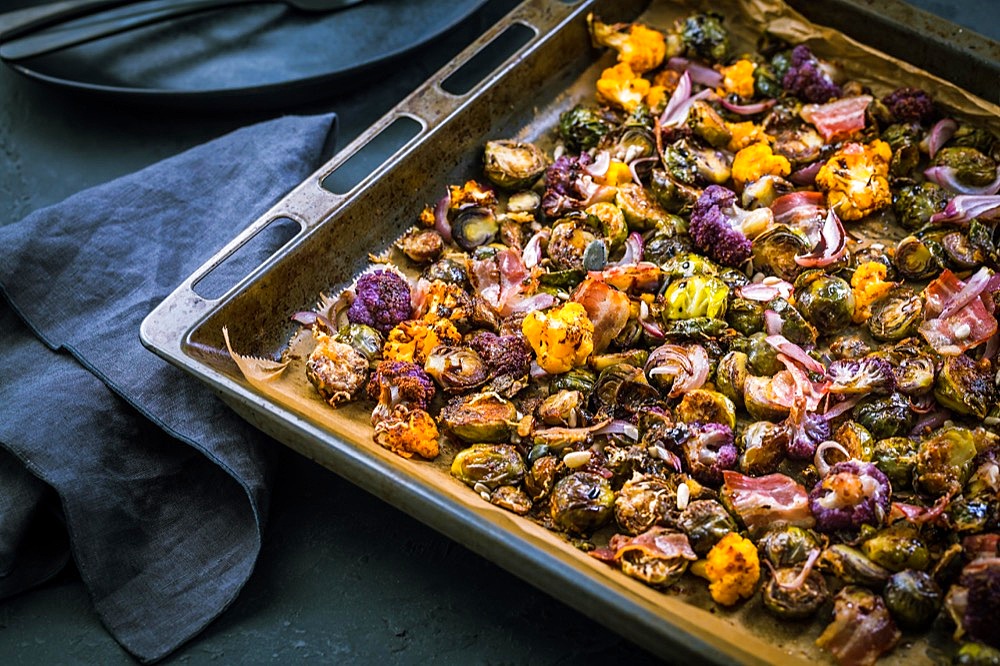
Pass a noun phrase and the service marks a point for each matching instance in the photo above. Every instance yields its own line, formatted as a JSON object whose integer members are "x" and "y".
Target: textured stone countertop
{"x": 326, "y": 588}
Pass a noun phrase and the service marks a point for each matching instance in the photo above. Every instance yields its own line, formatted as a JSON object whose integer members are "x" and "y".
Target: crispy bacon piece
{"x": 658, "y": 556}
{"x": 607, "y": 308}
{"x": 958, "y": 317}
{"x": 837, "y": 119}
{"x": 764, "y": 501}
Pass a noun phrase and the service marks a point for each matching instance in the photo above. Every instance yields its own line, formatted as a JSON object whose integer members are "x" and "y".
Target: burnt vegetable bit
{"x": 741, "y": 331}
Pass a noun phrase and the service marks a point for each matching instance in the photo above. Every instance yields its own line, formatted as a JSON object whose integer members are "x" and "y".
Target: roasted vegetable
{"x": 582, "y": 502}
{"x": 381, "y": 300}
{"x": 732, "y": 569}
{"x": 562, "y": 338}
{"x": 913, "y": 598}
{"x": 827, "y": 302}
{"x": 479, "y": 417}
{"x": 488, "y": 465}
{"x": 724, "y": 230}
{"x": 704, "y": 36}
{"x": 806, "y": 79}
{"x": 513, "y": 165}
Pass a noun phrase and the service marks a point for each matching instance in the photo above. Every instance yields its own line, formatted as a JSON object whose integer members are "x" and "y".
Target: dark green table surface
{"x": 342, "y": 577}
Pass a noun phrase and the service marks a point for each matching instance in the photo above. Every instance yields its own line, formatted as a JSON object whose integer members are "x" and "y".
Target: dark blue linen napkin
{"x": 162, "y": 489}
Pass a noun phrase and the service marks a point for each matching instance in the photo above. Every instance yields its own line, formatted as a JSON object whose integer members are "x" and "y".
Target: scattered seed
{"x": 683, "y": 496}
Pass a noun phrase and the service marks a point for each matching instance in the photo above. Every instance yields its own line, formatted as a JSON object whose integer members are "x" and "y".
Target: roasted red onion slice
{"x": 831, "y": 246}
{"x": 807, "y": 174}
{"x": 947, "y": 177}
{"x": 943, "y": 130}
{"x": 967, "y": 207}
{"x": 796, "y": 353}
{"x": 599, "y": 167}
{"x": 772, "y": 322}
{"x": 677, "y": 107}
{"x": 747, "y": 109}
{"x": 973, "y": 287}
{"x": 819, "y": 458}
{"x": 311, "y": 318}
{"x": 767, "y": 290}
{"x": 699, "y": 73}
{"x": 441, "y": 223}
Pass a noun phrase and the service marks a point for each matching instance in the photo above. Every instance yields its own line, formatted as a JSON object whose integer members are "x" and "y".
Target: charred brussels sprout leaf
{"x": 644, "y": 502}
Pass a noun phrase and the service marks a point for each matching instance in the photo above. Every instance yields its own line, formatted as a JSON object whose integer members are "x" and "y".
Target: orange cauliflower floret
{"x": 561, "y": 338}
{"x": 406, "y": 431}
{"x": 641, "y": 48}
{"x": 737, "y": 79}
{"x": 856, "y": 179}
{"x": 869, "y": 285}
{"x": 745, "y": 134}
{"x": 622, "y": 87}
{"x": 732, "y": 568}
{"x": 758, "y": 160}
{"x": 413, "y": 339}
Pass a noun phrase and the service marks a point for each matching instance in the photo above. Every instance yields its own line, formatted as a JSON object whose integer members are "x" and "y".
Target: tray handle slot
{"x": 240, "y": 260}
{"x": 379, "y": 148}
{"x": 489, "y": 58}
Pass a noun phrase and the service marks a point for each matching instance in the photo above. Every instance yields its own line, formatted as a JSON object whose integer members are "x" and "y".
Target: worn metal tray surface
{"x": 511, "y": 83}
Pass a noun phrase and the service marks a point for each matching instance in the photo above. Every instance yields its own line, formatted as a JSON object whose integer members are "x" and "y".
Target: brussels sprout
{"x": 971, "y": 166}
{"x": 897, "y": 547}
{"x": 541, "y": 478}
{"x": 745, "y": 316}
{"x": 873, "y": 253}
{"x": 914, "y": 203}
{"x": 696, "y": 296}
{"x": 787, "y": 545}
{"x": 611, "y": 221}
{"x": 787, "y": 599}
{"x": 965, "y": 386}
{"x": 688, "y": 264}
{"x": 762, "y": 447}
{"x": 447, "y": 270}
{"x": 980, "y": 138}
{"x": 511, "y": 498}
{"x": 766, "y": 83}
{"x": 904, "y": 139}
{"x": 885, "y": 416}
{"x": 913, "y": 598}
{"x": 794, "y": 326}
{"x": 567, "y": 279}
{"x": 761, "y": 402}
{"x": 479, "y": 417}
{"x": 896, "y": 315}
{"x": 582, "y": 127}
{"x": 976, "y": 654}
{"x": 491, "y": 465}
{"x": 705, "y": 122}
{"x": 944, "y": 461}
{"x": 563, "y": 408}
{"x": 474, "y": 226}
{"x": 918, "y": 259}
{"x": 693, "y": 165}
{"x": 897, "y": 458}
{"x": 734, "y": 278}
{"x": 655, "y": 567}
{"x": 582, "y": 502}
{"x": 621, "y": 388}
{"x": 364, "y": 339}
{"x": 762, "y": 192}
{"x": 762, "y": 357}
{"x": 851, "y": 566}
{"x": 914, "y": 369}
{"x": 640, "y": 211}
{"x": 774, "y": 252}
{"x": 696, "y": 328}
{"x": 849, "y": 347}
{"x": 513, "y": 164}
{"x": 705, "y": 522}
{"x": 456, "y": 369}
{"x": 525, "y": 201}
{"x": 799, "y": 144}
{"x": 827, "y": 302}
{"x": 665, "y": 242}
{"x": 856, "y": 439}
{"x": 704, "y": 406}
{"x": 960, "y": 252}
{"x": 578, "y": 379}
{"x": 731, "y": 376}
{"x": 635, "y": 356}
{"x": 704, "y": 37}
{"x": 969, "y": 514}
{"x": 643, "y": 502}
{"x": 421, "y": 246}
{"x": 674, "y": 194}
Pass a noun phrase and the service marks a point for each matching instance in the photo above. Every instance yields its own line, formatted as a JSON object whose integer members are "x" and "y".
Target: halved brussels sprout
{"x": 674, "y": 194}
{"x": 690, "y": 164}
{"x": 568, "y": 242}
{"x": 897, "y": 547}
{"x": 914, "y": 203}
{"x": 511, "y": 498}
{"x": 695, "y": 296}
{"x": 447, "y": 270}
{"x": 851, "y": 566}
{"x": 641, "y": 212}
{"x": 705, "y": 37}
{"x": 492, "y": 465}
{"x": 474, "y": 226}
{"x": 774, "y": 252}
{"x": 885, "y": 416}
{"x": 961, "y": 253}
{"x": 479, "y": 417}
{"x": 705, "y": 522}
{"x": 745, "y": 316}
{"x": 622, "y": 389}
{"x": 827, "y": 302}
{"x": 731, "y": 376}
{"x": 688, "y": 264}
{"x": 965, "y": 386}
{"x": 849, "y": 347}
{"x": 705, "y": 122}
{"x": 643, "y": 502}
{"x": 797, "y": 601}
{"x": 794, "y": 326}
{"x": 541, "y": 478}
{"x": 582, "y": 502}
{"x": 918, "y": 259}
{"x": 456, "y": 369}
{"x": 610, "y": 219}
{"x": 971, "y": 166}
{"x": 582, "y": 127}
{"x": 896, "y": 315}
{"x": 856, "y": 439}
{"x": 762, "y": 357}
{"x": 704, "y": 406}
{"x": 578, "y": 379}
{"x": 366, "y": 340}
{"x": 913, "y": 598}
{"x": 421, "y": 245}
{"x": 762, "y": 447}
{"x": 944, "y": 461}
{"x": 787, "y": 545}
{"x": 897, "y": 458}
{"x": 513, "y": 164}
{"x": 563, "y": 408}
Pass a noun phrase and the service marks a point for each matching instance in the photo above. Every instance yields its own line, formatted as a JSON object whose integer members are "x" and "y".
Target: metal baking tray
{"x": 510, "y": 83}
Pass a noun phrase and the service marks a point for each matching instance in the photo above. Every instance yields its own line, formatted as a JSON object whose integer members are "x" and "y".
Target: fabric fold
{"x": 163, "y": 489}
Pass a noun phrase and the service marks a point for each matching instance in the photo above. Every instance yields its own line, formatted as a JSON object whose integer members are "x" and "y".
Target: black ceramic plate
{"x": 252, "y": 53}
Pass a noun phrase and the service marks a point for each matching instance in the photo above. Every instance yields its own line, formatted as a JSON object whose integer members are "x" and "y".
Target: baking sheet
{"x": 342, "y": 230}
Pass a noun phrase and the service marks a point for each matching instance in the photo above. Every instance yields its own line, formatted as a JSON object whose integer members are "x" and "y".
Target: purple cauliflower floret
{"x": 982, "y": 580}
{"x": 568, "y": 186}
{"x": 806, "y": 78}
{"x": 853, "y": 494}
{"x": 381, "y": 300}
{"x": 400, "y": 383}
{"x": 805, "y": 436}
{"x": 505, "y": 355}
{"x": 709, "y": 451}
{"x": 869, "y": 375}
{"x": 910, "y": 105}
{"x": 716, "y": 227}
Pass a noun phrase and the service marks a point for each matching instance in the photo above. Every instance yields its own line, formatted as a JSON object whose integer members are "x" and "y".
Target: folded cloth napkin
{"x": 163, "y": 491}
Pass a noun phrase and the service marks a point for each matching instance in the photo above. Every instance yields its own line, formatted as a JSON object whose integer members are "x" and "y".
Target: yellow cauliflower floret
{"x": 412, "y": 340}
{"x": 618, "y": 173}
{"x": 641, "y": 48}
{"x": 407, "y": 431}
{"x": 758, "y": 160}
{"x": 737, "y": 79}
{"x": 622, "y": 87}
{"x": 562, "y": 338}
{"x": 856, "y": 179}
{"x": 732, "y": 568}
{"x": 745, "y": 134}
{"x": 869, "y": 285}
